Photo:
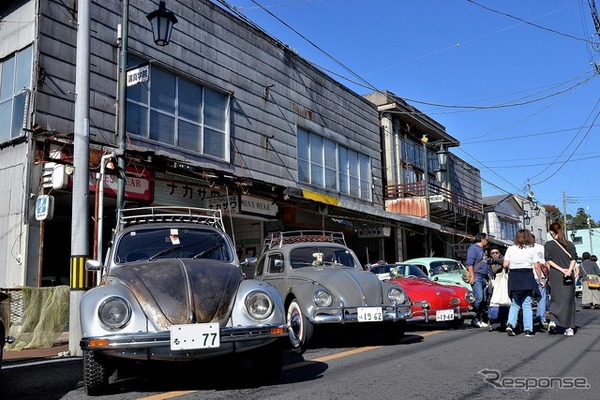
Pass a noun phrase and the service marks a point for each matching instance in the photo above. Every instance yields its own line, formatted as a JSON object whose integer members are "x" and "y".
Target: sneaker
{"x": 475, "y": 323}
{"x": 483, "y": 324}
{"x": 528, "y": 334}
{"x": 569, "y": 332}
{"x": 544, "y": 325}
{"x": 510, "y": 331}
{"x": 552, "y": 328}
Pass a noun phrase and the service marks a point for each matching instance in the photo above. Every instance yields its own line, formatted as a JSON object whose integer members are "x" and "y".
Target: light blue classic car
{"x": 446, "y": 271}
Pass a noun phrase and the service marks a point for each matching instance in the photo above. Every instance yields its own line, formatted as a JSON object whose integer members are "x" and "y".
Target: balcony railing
{"x": 417, "y": 189}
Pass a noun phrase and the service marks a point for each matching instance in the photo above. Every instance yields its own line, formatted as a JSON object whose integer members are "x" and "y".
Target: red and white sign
{"x": 138, "y": 186}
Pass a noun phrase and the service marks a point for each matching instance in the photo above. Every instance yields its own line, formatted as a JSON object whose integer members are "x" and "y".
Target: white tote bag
{"x": 500, "y": 290}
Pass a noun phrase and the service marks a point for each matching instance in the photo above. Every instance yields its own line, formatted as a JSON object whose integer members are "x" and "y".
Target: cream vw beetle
{"x": 173, "y": 290}
{"x": 322, "y": 282}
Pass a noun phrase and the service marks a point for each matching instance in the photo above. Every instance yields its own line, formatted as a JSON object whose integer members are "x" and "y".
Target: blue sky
{"x": 514, "y": 81}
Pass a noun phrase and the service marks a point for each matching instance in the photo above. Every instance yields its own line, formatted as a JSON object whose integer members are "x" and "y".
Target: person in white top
{"x": 522, "y": 260}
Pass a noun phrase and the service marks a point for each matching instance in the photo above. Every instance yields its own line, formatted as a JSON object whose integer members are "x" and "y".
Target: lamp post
{"x": 424, "y": 140}
{"x": 162, "y": 21}
{"x": 589, "y": 224}
{"x": 526, "y": 217}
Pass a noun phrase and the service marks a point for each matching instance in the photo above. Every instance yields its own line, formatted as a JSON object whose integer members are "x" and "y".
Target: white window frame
{"x": 315, "y": 154}
{"x": 14, "y": 99}
{"x": 148, "y": 111}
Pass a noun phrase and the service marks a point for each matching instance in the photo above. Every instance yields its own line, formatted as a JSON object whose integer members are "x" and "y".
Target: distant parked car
{"x": 173, "y": 290}
{"x": 442, "y": 270}
{"x": 322, "y": 283}
{"x": 432, "y": 301}
{"x": 4, "y": 323}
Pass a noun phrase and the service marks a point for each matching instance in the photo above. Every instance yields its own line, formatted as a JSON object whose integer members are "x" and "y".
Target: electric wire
{"x": 512, "y": 103}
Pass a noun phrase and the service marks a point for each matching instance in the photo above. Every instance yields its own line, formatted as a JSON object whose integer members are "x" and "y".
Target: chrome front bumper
{"x": 428, "y": 316}
{"x": 152, "y": 340}
{"x": 342, "y": 314}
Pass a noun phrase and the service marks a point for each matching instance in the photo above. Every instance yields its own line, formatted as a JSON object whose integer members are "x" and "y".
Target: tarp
{"x": 45, "y": 317}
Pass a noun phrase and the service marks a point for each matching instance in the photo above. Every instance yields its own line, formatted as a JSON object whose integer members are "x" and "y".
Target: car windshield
{"x": 314, "y": 256}
{"x": 151, "y": 244}
{"x": 380, "y": 269}
{"x": 445, "y": 267}
{"x": 406, "y": 270}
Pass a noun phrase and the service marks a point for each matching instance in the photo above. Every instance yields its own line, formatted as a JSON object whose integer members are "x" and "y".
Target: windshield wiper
{"x": 165, "y": 251}
{"x": 218, "y": 246}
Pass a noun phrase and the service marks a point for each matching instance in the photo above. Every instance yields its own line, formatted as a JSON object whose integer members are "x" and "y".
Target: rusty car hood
{"x": 181, "y": 291}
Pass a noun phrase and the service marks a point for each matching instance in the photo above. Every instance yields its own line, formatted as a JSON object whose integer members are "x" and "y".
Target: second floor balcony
{"x": 446, "y": 207}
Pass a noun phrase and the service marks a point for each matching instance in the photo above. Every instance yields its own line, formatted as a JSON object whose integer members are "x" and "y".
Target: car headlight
{"x": 114, "y": 313}
{"x": 259, "y": 304}
{"x": 470, "y": 297}
{"x": 322, "y": 298}
{"x": 396, "y": 295}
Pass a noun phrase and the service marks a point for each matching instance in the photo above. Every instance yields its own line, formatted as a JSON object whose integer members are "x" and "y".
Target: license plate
{"x": 195, "y": 336}
{"x": 369, "y": 314}
{"x": 444, "y": 315}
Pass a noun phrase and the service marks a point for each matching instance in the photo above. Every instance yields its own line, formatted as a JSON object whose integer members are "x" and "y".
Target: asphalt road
{"x": 428, "y": 363}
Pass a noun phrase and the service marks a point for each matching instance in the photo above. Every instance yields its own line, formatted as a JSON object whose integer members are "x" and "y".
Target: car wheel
{"x": 393, "y": 332}
{"x": 96, "y": 373}
{"x": 457, "y": 323}
{"x": 268, "y": 363}
{"x": 301, "y": 329}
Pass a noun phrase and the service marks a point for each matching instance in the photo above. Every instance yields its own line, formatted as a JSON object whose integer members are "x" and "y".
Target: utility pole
{"x": 81, "y": 155}
{"x": 590, "y": 230}
{"x": 565, "y": 212}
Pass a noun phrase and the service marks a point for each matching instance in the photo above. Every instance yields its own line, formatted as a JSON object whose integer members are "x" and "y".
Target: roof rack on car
{"x": 146, "y": 215}
{"x": 275, "y": 239}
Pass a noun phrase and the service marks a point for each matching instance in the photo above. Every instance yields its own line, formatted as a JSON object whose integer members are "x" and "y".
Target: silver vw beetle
{"x": 322, "y": 282}
{"x": 173, "y": 290}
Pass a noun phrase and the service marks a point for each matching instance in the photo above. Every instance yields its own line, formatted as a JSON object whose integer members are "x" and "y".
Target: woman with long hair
{"x": 522, "y": 260}
{"x": 561, "y": 256}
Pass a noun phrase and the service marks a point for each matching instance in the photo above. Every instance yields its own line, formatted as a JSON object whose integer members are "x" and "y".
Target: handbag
{"x": 466, "y": 275}
{"x": 567, "y": 280}
{"x": 593, "y": 281}
{"x": 500, "y": 290}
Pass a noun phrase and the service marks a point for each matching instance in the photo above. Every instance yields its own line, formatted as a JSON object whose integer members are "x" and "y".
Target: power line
{"x": 528, "y": 22}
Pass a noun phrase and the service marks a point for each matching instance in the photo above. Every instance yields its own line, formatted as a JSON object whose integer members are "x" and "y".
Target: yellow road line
{"x": 167, "y": 395}
{"x": 346, "y": 353}
{"x": 170, "y": 395}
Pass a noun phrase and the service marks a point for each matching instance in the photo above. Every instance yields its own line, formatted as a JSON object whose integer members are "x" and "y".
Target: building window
{"x": 177, "y": 112}
{"x": 15, "y": 86}
{"x": 326, "y": 164}
{"x": 508, "y": 230}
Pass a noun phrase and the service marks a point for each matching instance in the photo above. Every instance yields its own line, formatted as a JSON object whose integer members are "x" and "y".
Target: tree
{"x": 553, "y": 214}
{"x": 580, "y": 220}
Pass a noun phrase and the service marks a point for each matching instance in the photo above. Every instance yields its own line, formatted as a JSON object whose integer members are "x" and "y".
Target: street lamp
{"x": 162, "y": 22}
{"x": 442, "y": 155}
{"x": 526, "y": 218}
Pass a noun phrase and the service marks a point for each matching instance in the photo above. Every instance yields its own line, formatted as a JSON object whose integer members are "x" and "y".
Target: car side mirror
{"x": 93, "y": 265}
{"x": 278, "y": 266}
{"x": 250, "y": 262}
